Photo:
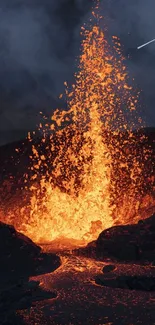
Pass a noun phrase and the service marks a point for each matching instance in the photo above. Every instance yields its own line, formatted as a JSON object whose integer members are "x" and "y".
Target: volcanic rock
{"x": 129, "y": 243}
{"x": 108, "y": 268}
{"x": 143, "y": 283}
{"x": 118, "y": 242}
{"x": 46, "y": 262}
{"x": 20, "y": 296}
{"x": 18, "y": 253}
{"x": 20, "y": 258}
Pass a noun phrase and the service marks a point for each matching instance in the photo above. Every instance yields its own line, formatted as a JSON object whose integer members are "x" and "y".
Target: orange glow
{"x": 80, "y": 195}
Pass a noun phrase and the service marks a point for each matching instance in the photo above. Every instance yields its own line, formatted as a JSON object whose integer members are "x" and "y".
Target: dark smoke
{"x": 39, "y": 41}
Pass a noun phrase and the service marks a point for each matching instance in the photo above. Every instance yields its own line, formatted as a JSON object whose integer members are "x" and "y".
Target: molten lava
{"x": 76, "y": 184}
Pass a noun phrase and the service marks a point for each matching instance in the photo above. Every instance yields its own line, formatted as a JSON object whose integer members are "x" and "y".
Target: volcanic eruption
{"x": 90, "y": 173}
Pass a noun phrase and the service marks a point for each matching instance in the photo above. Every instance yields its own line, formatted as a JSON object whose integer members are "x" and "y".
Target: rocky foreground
{"x": 20, "y": 258}
{"x": 122, "y": 258}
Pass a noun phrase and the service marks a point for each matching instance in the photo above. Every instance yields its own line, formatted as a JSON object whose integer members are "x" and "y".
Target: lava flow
{"x": 77, "y": 180}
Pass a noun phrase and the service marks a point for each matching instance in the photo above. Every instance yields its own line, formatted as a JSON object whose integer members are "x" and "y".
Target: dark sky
{"x": 39, "y": 40}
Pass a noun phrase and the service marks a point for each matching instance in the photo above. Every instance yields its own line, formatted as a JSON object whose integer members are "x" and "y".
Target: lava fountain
{"x": 73, "y": 184}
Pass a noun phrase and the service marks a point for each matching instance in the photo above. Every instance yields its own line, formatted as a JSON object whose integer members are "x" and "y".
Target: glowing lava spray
{"x": 74, "y": 196}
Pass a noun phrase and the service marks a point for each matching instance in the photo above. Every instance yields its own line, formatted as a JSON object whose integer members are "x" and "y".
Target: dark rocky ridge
{"x": 130, "y": 243}
{"x": 142, "y": 283}
{"x": 20, "y": 258}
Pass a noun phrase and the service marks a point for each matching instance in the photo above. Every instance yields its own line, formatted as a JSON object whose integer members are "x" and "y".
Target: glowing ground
{"x": 80, "y": 301}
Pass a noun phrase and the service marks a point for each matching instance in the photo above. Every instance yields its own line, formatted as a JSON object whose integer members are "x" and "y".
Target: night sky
{"x": 39, "y": 41}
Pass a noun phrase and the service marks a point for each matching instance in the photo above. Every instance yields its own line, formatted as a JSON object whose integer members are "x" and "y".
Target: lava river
{"x": 81, "y": 301}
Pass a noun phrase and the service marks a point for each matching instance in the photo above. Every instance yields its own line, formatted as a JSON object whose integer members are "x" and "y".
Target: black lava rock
{"x": 142, "y": 283}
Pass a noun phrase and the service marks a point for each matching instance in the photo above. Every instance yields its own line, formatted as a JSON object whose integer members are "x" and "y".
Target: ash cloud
{"x": 39, "y": 41}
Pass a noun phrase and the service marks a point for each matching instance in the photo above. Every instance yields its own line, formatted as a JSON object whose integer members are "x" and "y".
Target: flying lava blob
{"x": 75, "y": 182}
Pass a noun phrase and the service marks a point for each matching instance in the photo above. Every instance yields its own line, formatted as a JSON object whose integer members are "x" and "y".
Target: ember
{"x": 92, "y": 151}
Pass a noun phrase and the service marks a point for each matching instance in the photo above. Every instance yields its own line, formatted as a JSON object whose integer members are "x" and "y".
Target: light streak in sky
{"x": 139, "y": 47}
